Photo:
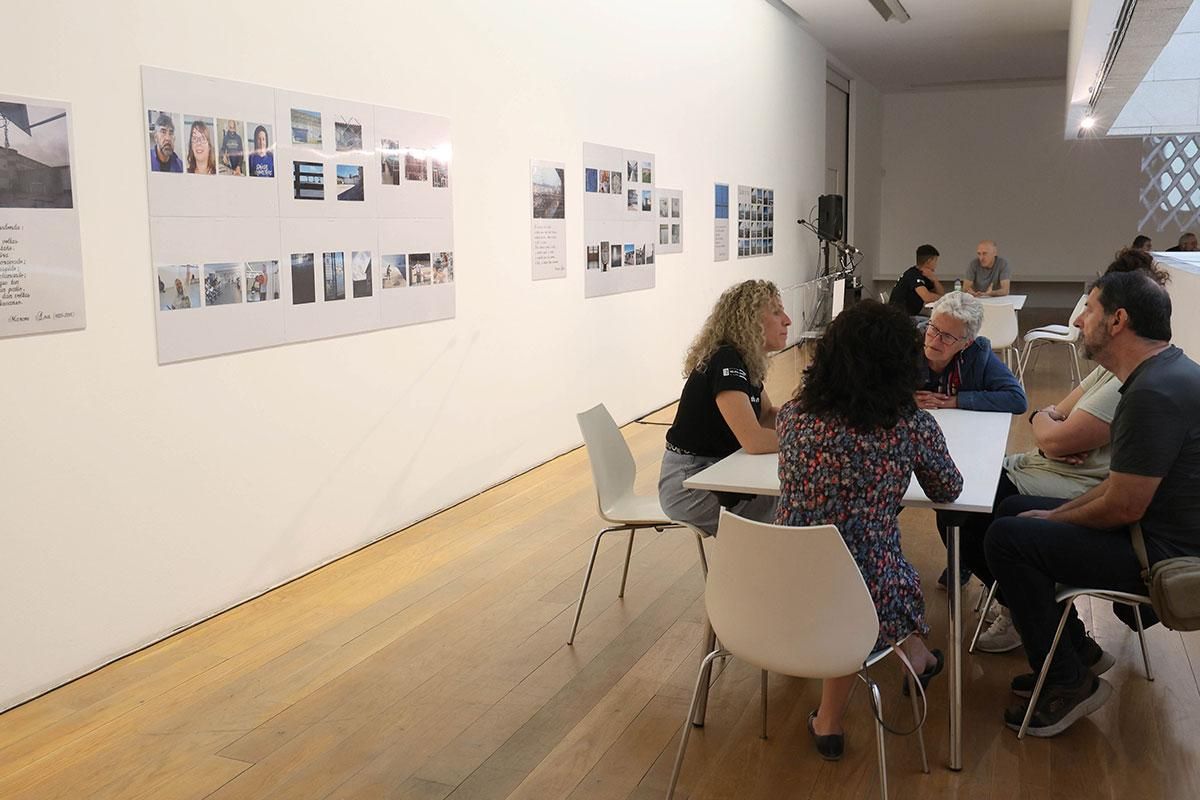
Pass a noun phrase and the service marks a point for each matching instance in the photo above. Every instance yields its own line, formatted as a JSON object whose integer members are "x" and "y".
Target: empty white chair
{"x": 1055, "y": 334}
{"x": 792, "y": 601}
{"x": 613, "y": 472}
{"x": 1000, "y": 327}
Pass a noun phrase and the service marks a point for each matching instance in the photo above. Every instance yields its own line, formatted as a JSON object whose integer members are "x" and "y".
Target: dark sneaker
{"x": 964, "y": 576}
{"x": 1060, "y": 706}
{"x": 1091, "y": 654}
{"x": 829, "y": 747}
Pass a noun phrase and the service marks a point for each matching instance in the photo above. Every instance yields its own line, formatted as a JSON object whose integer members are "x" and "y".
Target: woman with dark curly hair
{"x": 849, "y": 443}
{"x": 723, "y": 405}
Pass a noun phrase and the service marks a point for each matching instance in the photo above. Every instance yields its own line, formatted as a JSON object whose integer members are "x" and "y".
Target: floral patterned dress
{"x": 831, "y": 473}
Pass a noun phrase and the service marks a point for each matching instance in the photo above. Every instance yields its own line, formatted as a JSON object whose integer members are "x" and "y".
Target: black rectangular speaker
{"x": 831, "y": 217}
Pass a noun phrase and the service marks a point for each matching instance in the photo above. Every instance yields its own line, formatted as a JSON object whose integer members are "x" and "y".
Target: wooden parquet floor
{"x": 433, "y": 665}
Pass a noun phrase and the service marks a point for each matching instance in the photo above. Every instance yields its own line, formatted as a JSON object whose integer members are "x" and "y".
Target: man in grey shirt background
{"x": 988, "y": 275}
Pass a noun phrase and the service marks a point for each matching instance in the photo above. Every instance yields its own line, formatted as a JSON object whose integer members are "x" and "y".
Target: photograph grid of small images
{"x": 756, "y": 226}
{"x": 440, "y": 172}
{"x": 306, "y": 127}
{"x": 36, "y": 170}
{"x": 549, "y": 193}
{"x": 416, "y": 165}
{"x": 360, "y": 273}
{"x": 395, "y": 270}
{"x": 231, "y": 156}
{"x": 262, "y": 281}
{"x": 420, "y": 269}
{"x": 349, "y": 182}
{"x": 347, "y": 134}
{"x": 179, "y": 287}
{"x": 223, "y": 284}
{"x": 304, "y": 279}
{"x": 443, "y": 267}
{"x": 335, "y": 276}
{"x": 308, "y": 180}
{"x": 389, "y": 162}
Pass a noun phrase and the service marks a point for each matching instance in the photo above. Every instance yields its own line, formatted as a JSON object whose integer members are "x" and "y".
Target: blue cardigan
{"x": 987, "y": 385}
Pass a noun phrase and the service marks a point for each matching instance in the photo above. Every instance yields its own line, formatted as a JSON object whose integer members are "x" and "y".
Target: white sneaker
{"x": 1001, "y": 636}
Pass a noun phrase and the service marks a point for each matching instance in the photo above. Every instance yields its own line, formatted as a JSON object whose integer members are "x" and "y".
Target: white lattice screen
{"x": 1171, "y": 196}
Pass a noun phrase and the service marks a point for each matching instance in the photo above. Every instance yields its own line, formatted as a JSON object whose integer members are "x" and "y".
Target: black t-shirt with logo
{"x": 1156, "y": 433}
{"x": 699, "y": 427}
{"x": 904, "y": 293}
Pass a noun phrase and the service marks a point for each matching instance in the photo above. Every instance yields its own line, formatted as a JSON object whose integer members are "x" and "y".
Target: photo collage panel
{"x": 756, "y": 221}
{"x": 192, "y": 286}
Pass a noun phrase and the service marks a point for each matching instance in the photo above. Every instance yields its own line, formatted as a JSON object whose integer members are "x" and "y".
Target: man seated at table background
{"x": 1187, "y": 244}
{"x": 918, "y": 285}
{"x": 1126, "y": 327}
{"x": 988, "y": 275}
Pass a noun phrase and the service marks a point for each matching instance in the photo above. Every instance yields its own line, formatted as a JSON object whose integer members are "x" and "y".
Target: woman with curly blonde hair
{"x": 723, "y": 405}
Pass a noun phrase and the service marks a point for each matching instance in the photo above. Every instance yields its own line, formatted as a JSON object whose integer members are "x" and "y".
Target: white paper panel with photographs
{"x": 620, "y": 221}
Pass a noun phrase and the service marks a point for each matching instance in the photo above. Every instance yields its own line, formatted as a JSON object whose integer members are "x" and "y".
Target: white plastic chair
{"x": 1055, "y": 334}
{"x": 1000, "y": 327}
{"x": 792, "y": 601}
{"x": 613, "y": 472}
{"x": 1066, "y": 595}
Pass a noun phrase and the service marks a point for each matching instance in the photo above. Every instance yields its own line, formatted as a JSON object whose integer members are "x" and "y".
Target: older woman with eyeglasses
{"x": 960, "y": 369}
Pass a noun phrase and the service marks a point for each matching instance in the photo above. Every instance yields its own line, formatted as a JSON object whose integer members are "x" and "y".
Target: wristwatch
{"x": 1034, "y": 413}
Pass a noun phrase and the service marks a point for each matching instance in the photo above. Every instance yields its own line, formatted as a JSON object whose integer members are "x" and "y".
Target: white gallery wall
{"x": 138, "y": 499}
{"x": 960, "y": 165}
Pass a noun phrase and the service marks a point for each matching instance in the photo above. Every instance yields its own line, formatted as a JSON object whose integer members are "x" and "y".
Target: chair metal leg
{"x": 701, "y": 683}
{"x": 883, "y": 787}
{"x": 703, "y": 558}
{"x": 1025, "y": 360}
{"x": 1137, "y": 614}
{"x": 710, "y": 646}
{"x": 1037, "y": 687}
{"x": 764, "y": 704}
{"x": 987, "y": 604}
{"x": 587, "y": 576}
{"x": 628, "y": 553}
{"x": 918, "y": 723}
{"x": 1075, "y": 368}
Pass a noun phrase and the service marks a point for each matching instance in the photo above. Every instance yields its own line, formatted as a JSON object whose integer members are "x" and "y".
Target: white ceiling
{"x": 946, "y": 42}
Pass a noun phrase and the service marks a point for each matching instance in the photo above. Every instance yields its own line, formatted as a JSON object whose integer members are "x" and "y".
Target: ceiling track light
{"x": 891, "y": 9}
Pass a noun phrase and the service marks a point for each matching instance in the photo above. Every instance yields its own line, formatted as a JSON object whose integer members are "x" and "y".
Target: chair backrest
{"x": 613, "y": 467}
{"x": 884, "y": 296}
{"x": 789, "y": 600}
{"x": 999, "y": 324}
{"x": 1077, "y": 311}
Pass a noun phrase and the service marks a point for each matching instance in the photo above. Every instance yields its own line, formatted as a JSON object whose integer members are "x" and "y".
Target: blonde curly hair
{"x": 736, "y": 320}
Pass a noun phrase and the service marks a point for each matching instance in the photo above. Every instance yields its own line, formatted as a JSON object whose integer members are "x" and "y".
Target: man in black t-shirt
{"x": 1154, "y": 478}
{"x": 918, "y": 285}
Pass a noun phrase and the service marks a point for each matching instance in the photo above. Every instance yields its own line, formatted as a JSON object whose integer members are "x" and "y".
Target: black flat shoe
{"x": 829, "y": 747}
{"x": 925, "y": 677}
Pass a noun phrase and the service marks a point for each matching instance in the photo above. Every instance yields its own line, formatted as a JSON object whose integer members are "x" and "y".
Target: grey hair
{"x": 962, "y": 307}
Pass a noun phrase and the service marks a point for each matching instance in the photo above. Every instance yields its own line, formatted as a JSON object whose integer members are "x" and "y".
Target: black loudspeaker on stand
{"x": 831, "y": 216}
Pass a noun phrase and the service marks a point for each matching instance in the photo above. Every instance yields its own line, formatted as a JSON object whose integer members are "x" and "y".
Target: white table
{"x": 1016, "y": 300}
{"x": 977, "y": 441}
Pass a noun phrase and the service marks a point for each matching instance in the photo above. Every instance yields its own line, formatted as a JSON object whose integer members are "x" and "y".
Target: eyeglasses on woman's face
{"x": 943, "y": 336}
